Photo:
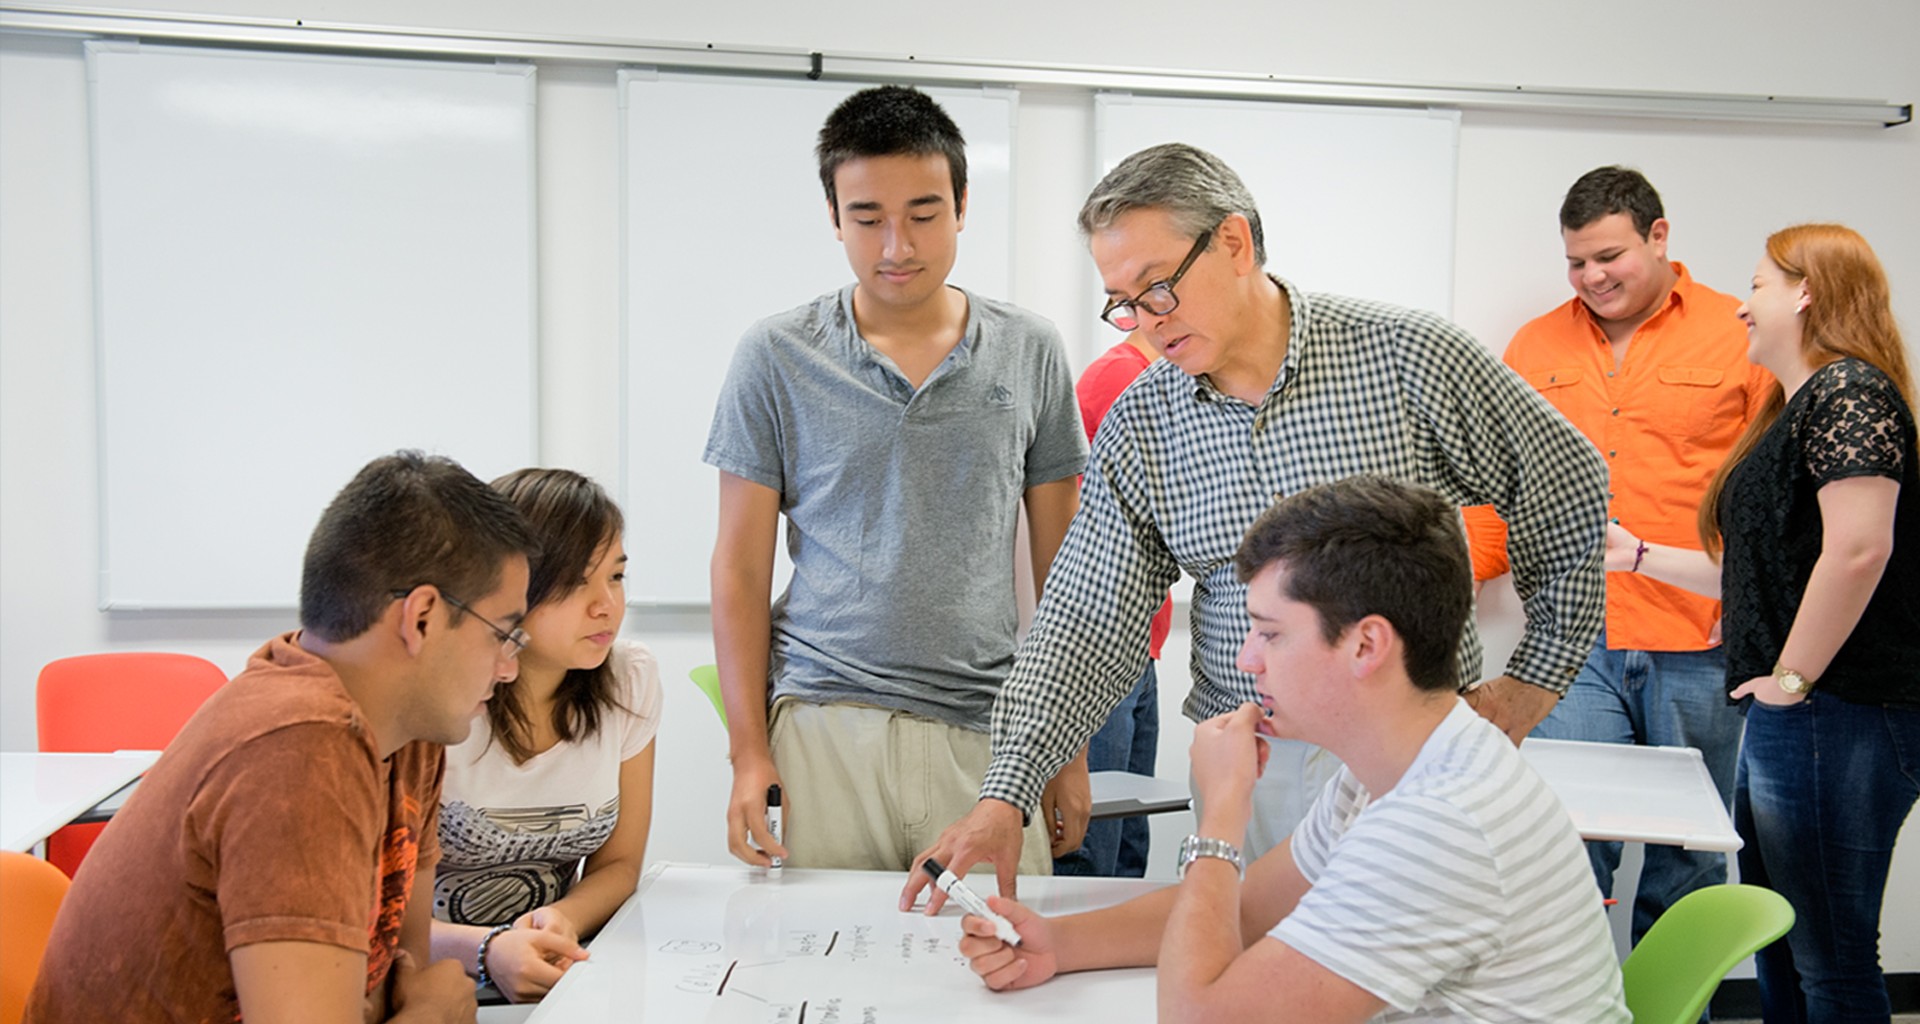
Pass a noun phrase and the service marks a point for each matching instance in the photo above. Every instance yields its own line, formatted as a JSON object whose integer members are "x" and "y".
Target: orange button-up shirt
{"x": 1664, "y": 420}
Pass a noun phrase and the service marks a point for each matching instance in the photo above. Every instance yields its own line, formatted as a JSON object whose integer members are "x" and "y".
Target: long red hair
{"x": 1850, "y": 315}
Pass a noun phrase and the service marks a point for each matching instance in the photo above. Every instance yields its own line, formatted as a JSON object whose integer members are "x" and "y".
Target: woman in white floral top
{"x": 545, "y": 808}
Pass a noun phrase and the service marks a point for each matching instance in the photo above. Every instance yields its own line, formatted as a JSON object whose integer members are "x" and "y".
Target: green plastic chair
{"x": 707, "y": 678}
{"x": 1679, "y": 963}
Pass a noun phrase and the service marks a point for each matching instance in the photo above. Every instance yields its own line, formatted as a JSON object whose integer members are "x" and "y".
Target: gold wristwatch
{"x": 1791, "y": 681}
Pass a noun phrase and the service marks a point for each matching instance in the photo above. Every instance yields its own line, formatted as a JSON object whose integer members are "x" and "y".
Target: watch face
{"x": 1188, "y": 854}
{"x": 1792, "y": 682}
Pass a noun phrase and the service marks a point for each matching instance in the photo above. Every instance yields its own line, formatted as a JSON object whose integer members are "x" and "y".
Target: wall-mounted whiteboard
{"x": 726, "y": 223}
{"x": 1355, "y": 200}
{"x": 301, "y": 262}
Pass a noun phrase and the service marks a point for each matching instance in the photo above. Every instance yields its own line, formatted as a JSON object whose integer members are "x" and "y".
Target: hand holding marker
{"x": 951, "y": 884}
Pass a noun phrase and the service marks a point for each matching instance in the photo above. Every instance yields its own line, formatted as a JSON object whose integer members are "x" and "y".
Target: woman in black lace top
{"x": 1817, "y": 512}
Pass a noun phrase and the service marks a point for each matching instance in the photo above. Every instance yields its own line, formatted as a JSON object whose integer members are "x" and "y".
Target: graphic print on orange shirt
{"x": 399, "y": 856}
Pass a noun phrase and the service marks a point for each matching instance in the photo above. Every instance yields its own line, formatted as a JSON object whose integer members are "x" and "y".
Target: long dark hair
{"x": 1851, "y": 316}
{"x": 574, "y": 520}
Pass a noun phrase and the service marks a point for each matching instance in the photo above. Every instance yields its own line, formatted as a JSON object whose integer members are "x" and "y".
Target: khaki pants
{"x": 867, "y": 788}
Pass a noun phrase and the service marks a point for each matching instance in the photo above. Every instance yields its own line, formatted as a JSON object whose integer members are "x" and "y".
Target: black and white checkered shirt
{"x": 1180, "y": 470}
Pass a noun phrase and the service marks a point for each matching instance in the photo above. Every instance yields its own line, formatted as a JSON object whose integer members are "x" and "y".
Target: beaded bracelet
{"x": 480, "y": 955}
{"x": 1638, "y": 554}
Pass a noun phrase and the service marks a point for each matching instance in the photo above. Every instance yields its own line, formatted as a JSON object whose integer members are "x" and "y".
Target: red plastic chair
{"x": 100, "y": 703}
{"x": 34, "y": 889}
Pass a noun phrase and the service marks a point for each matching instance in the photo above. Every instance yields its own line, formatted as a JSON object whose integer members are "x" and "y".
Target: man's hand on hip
{"x": 1515, "y": 707}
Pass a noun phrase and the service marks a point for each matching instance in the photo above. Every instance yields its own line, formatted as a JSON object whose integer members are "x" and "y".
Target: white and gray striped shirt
{"x": 1463, "y": 894}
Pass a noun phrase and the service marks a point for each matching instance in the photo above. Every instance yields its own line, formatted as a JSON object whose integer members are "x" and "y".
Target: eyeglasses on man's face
{"x": 512, "y": 641}
{"x": 1158, "y": 298}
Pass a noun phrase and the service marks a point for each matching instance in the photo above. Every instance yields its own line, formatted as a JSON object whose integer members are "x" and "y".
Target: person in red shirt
{"x": 1652, "y": 367}
{"x": 1131, "y": 737}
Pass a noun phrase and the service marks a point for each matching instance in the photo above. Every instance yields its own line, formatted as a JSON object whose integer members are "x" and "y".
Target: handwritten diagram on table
{"x": 727, "y": 945}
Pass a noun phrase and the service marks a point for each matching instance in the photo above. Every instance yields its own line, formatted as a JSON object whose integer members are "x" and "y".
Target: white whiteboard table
{"x": 1616, "y": 791}
{"x": 731, "y": 945}
{"x": 39, "y": 793}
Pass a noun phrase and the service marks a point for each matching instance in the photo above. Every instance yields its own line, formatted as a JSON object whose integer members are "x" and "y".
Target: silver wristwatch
{"x": 1193, "y": 848}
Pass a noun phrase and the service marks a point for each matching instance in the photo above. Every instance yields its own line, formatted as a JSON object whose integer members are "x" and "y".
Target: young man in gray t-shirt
{"x": 899, "y": 424}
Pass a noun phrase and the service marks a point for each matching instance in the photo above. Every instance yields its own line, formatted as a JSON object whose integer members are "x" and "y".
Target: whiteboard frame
{"x": 930, "y": 69}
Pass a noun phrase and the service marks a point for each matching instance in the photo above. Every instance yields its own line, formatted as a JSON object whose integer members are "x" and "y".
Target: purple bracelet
{"x": 1638, "y": 554}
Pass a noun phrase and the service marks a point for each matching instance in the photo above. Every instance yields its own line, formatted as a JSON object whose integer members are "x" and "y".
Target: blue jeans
{"x": 1117, "y": 847}
{"x": 1824, "y": 786}
{"x": 1654, "y": 698}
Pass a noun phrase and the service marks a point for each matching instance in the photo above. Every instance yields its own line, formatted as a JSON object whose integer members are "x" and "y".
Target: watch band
{"x": 1193, "y": 848}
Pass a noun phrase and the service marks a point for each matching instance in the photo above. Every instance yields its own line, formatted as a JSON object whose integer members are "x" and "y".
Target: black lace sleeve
{"x": 1856, "y": 424}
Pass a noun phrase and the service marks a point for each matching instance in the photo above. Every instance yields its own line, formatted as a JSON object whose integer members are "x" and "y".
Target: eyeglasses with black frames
{"x": 512, "y": 641}
{"x": 1158, "y": 298}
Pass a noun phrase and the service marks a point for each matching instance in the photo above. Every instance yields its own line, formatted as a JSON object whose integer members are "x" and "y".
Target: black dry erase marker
{"x": 773, "y": 820}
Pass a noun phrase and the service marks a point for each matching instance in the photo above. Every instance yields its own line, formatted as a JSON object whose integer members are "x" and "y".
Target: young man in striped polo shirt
{"x": 1436, "y": 878}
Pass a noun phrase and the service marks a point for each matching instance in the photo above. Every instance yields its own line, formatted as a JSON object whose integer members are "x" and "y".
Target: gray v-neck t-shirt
{"x": 901, "y": 503}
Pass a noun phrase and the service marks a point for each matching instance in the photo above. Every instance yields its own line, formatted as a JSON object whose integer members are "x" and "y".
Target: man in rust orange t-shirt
{"x": 1652, "y": 367}
{"x": 272, "y": 864}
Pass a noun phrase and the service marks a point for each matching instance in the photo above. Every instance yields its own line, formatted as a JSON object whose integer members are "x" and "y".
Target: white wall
{"x": 1726, "y": 186}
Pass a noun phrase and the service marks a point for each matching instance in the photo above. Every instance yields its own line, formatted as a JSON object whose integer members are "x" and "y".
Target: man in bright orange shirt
{"x": 1652, "y": 367}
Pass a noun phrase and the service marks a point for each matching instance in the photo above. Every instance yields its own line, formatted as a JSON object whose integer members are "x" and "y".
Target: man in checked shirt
{"x": 1267, "y": 390}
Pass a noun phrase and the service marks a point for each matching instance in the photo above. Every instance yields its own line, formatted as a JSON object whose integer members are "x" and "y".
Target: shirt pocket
{"x": 1687, "y": 400}
{"x": 1556, "y": 385}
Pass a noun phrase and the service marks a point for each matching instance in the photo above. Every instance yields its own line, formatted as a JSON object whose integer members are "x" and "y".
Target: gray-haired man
{"x": 1265, "y": 391}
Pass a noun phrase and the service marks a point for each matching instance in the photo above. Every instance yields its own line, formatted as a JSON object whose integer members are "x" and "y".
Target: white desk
{"x": 1637, "y": 794}
{"x": 1124, "y": 794}
{"x": 41, "y": 792}
{"x": 729, "y": 945}
{"x": 1613, "y": 791}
